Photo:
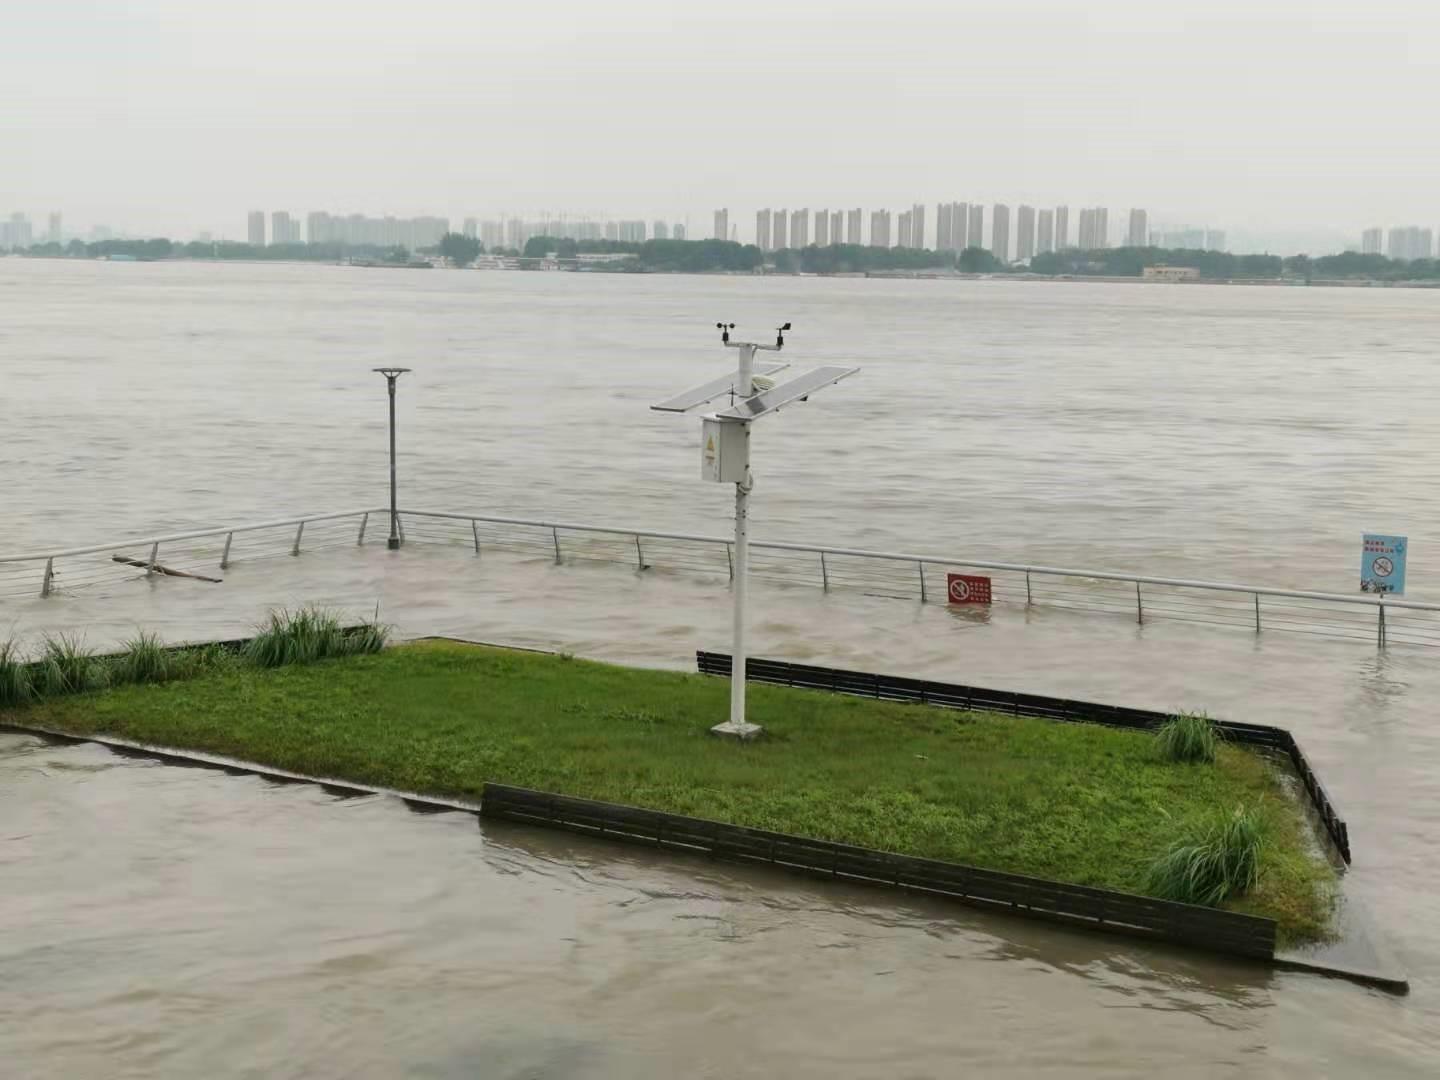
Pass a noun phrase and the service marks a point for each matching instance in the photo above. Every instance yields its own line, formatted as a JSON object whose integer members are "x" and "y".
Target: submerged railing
{"x": 909, "y": 575}
{"x": 197, "y": 554}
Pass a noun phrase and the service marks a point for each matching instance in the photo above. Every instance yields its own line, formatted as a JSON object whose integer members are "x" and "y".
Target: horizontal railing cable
{"x": 1139, "y": 597}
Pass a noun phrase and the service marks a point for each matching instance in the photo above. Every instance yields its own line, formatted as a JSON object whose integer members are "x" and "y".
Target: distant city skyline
{"x": 1119, "y": 228}
{"x": 1026, "y": 232}
{"x": 216, "y": 108}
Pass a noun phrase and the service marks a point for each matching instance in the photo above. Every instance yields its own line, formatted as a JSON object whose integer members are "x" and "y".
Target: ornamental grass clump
{"x": 368, "y": 637}
{"x": 307, "y": 635}
{"x": 1222, "y": 863}
{"x": 67, "y": 666}
{"x": 145, "y": 660}
{"x": 14, "y": 675}
{"x": 1189, "y": 737}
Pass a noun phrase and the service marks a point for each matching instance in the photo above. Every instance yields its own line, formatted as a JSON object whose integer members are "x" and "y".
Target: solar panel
{"x": 785, "y": 393}
{"x": 711, "y": 390}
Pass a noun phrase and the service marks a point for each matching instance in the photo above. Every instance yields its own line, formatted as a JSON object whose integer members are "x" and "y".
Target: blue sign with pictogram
{"x": 1382, "y": 564}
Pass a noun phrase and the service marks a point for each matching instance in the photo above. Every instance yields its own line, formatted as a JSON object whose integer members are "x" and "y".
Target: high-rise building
{"x": 1025, "y": 234}
{"x": 837, "y": 222}
{"x": 660, "y": 231}
{"x": 722, "y": 224}
{"x": 762, "y": 229}
{"x": 1094, "y": 228}
{"x": 612, "y": 231}
{"x": 1139, "y": 233}
{"x": 822, "y": 228}
{"x": 52, "y": 233}
{"x": 1000, "y": 232}
{"x": 975, "y": 234}
{"x": 917, "y": 225}
{"x": 632, "y": 232}
{"x": 853, "y": 227}
{"x": 283, "y": 228}
{"x": 1372, "y": 241}
{"x": 1046, "y": 240}
{"x": 1410, "y": 242}
{"x": 800, "y": 229}
{"x": 1186, "y": 239}
{"x": 1062, "y": 228}
{"x": 255, "y": 230}
{"x": 678, "y": 232}
{"x": 880, "y": 228}
{"x": 1215, "y": 239}
{"x": 943, "y": 241}
{"x": 16, "y": 233}
{"x": 318, "y": 229}
{"x": 950, "y": 226}
{"x": 903, "y": 229}
{"x": 472, "y": 228}
{"x": 780, "y": 228}
{"x": 492, "y": 233}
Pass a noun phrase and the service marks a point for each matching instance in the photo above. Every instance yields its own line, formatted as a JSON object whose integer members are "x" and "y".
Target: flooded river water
{"x": 158, "y": 921}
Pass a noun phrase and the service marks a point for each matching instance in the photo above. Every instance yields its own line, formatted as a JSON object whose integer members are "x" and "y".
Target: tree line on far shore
{"x": 699, "y": 256}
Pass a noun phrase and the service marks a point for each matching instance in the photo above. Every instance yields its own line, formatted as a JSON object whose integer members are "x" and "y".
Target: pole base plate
{"x": 741, "y": 731}
{"x": 393, "y": 543}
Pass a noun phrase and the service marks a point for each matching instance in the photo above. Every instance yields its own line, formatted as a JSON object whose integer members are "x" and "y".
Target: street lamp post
{"x": 391, "y": 374}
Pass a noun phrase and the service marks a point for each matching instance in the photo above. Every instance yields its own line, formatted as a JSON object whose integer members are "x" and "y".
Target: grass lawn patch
{"x": 1073, "y": 802}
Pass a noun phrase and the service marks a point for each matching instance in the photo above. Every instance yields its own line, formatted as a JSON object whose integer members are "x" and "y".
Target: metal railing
{"x": 194, "y": 554}
{"x": 1141, "y": 597}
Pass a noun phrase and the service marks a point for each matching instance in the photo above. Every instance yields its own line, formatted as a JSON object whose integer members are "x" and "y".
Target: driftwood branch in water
{"x": 167, "y": 571}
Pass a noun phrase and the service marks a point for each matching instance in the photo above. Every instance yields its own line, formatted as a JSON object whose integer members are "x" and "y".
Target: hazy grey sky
{"x": 179, "y": 115}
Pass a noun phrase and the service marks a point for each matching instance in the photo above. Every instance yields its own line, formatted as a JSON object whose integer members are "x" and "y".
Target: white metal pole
{"x": 742, "y": 575}
{"x": 745, "y": 381}
{"x": 744, "y": 387}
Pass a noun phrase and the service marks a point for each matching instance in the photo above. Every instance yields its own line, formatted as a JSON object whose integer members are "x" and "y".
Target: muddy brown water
{"x": 164, "y": 921}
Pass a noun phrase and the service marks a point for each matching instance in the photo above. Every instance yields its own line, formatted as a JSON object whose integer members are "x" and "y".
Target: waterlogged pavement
{"x": 277, "y": 930}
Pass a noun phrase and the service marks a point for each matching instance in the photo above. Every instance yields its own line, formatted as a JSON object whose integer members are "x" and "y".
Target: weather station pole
{"x": 738, "y": 727}
{"x": 391, "y": 375}
{"x": 725, "y": 458}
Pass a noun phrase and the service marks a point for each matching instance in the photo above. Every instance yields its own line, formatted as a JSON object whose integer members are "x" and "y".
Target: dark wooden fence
{"x": 1101, "y": 909}
{"x": 956, "y": 696}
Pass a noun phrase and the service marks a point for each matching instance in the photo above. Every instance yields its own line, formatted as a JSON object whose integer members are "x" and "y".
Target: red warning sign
{"x": 968, "y": 589}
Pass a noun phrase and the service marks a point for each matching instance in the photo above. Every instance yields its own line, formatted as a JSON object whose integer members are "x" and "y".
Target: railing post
{"x": 49, "y": 577}
{"x": 295, "y": 550}
{"x": 923, "y": 597}
{"x": 1028, "y": 601}
{"x": 824, "y": 573}
{"x": 359, "y": 540}
{"x": 1257, "y": 613}
{"x": 475, "y": 532}
{"x": 154, "y": 555}
{"x": 1380, "y": 631}
{"x": 225, "y": 555}
{"x": 730, "y": 561}
{"x": 555, "y": 536}
{"x": 639, "y": 555}
{"x": 1139, "y": 606}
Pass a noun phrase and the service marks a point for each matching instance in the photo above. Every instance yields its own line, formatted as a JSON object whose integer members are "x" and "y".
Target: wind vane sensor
{"x": 725, "y": 458}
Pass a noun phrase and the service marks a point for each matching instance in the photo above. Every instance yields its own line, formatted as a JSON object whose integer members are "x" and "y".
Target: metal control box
{"x": 722, "y": 450}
